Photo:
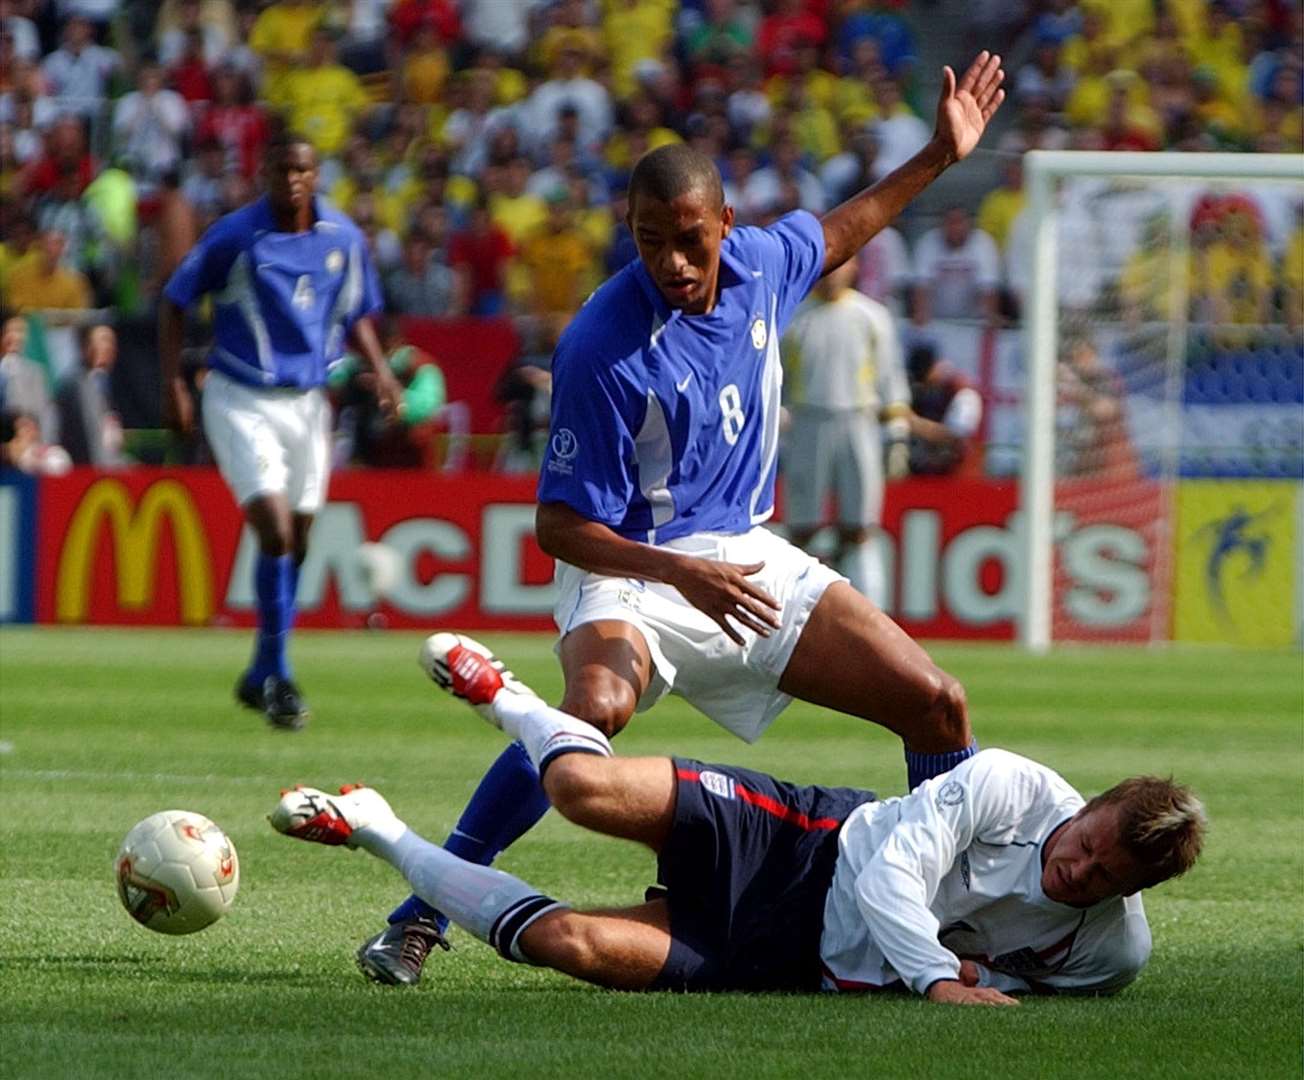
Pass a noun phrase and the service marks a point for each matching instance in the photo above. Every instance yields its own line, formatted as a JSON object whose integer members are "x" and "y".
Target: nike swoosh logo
{"x": 682, "y": 386}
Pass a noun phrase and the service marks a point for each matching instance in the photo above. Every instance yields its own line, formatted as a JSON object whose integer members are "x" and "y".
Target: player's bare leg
{"x": 607, "y": 667}
{"x": 623, "y": 949}
{"x": 282, "y": 537}
{"x": 852, "y": 657}
{"x": 630, "y": 798}
{"x": 272, "y": 522}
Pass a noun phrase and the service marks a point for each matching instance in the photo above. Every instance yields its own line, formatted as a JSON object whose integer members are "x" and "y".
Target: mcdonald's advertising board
{"x": 168, "y": 547}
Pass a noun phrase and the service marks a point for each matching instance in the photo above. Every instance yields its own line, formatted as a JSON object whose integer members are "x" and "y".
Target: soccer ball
{"x": 177, "y": 872}
{"x": 380, "y": 567}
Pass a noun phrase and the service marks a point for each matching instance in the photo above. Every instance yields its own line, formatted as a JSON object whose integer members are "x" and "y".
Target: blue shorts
{"x": 746, "y": 870}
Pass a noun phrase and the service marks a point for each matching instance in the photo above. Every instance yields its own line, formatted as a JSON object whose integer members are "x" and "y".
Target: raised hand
{"x": 964, "y": 109}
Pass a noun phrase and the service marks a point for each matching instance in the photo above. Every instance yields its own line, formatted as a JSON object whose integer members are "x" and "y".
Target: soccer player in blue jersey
{"x": 292, "y": 284}
{"x": 659, "y": 472}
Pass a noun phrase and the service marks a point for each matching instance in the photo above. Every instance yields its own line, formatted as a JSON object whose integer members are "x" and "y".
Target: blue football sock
{"x": 921, "y": 767}
{"x": 274, "y": 577}
{"x": 504, "y": 808}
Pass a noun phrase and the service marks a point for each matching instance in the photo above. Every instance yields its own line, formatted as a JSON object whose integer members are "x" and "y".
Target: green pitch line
{"x": 99, "y": 728}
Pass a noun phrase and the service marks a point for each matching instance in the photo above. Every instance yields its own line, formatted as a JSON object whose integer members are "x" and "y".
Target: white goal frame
{"x": 1042, "y": 169}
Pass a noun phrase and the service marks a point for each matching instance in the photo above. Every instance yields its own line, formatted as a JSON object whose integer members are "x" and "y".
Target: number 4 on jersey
{"x": 303, "y": 297}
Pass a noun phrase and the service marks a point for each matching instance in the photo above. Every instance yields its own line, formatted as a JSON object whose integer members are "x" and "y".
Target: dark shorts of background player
{"x": 746, "y": 870}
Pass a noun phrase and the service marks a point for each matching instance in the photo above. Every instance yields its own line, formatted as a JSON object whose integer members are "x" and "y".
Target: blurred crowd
{"x": 484, "y": 145}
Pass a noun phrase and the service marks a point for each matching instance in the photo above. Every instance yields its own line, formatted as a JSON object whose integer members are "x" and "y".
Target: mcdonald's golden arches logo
{"x": 134, "y": 532}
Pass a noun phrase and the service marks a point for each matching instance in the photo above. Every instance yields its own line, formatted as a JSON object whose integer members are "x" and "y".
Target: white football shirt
{"x": 844, "y": 354}
{"x": 953, "y": 871}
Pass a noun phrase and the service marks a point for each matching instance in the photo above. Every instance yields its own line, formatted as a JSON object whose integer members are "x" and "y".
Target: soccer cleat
{"x": 283, "y": 704}
{"x": 309, "y": 814}
{"x": 468, "y": 670}
{"x": 397, "y": 954}
{"x": 249, "y": 693}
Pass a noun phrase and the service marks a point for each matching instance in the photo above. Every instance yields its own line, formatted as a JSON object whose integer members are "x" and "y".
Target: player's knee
{"x": 275, "y": 538}
{"x": 607, "y": 704}
{"x": 573, "y": 782}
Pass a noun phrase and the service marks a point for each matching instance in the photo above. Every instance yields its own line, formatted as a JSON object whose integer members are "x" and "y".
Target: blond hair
{"x": 1161, "y": 823}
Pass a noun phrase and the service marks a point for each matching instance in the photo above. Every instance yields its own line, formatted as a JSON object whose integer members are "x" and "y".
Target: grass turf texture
{"x": 102, "y": 728}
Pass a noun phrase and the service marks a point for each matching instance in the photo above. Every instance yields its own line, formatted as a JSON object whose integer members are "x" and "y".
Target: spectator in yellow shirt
{"x": 1231, "y": 266}
{"x": 511, "y": 207}
{"x": 558, "y": 262}
{"x": 38, "y": 283}
{"x": 635, "y": 30}
{"x": 996, "y": 213}
{"x": 1145, "y": 287}
{"x": 281, "y": 36}
{"x": 425, "y": 67}
{"x": 325, "y": 98}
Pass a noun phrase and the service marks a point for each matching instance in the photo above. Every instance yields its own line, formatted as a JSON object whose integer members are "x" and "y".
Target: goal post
{"x": 1174, "y": 183}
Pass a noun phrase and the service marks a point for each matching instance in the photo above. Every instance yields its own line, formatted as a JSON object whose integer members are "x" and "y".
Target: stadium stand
{"x": 483, "y": 147}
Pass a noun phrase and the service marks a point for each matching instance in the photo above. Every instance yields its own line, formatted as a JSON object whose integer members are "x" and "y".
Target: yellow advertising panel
{"x": 1238, "y": 562}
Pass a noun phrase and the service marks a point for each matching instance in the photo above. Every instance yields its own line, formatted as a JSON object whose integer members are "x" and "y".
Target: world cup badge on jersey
{"x": 335, "y": 260}
{"x": 758, "y": 333}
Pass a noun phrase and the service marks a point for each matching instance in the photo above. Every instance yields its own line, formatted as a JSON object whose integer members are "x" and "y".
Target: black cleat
{"x": 249, "y": 693}
{"x": 284, "y": 706}
{"x": 396, "y": 955}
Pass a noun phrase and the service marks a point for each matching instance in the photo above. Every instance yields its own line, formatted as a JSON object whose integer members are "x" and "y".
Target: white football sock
{"x": 491, "y": 904}
{"x": 544, "y": 731}
{"x": 863, "y": 564}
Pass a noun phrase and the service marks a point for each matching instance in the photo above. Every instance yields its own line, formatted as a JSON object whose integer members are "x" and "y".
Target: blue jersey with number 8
{"x": 666, "y": 424}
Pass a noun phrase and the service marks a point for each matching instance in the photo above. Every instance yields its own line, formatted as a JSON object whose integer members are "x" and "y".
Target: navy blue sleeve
{"x": 588, "y": 463}
{"x": 205, "y": 266}
{"x": 792, "y": 253}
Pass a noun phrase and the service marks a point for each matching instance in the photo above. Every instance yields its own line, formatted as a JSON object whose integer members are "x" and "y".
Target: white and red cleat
{"x": 468, "y": 670}
{"x": 309, "y": 814}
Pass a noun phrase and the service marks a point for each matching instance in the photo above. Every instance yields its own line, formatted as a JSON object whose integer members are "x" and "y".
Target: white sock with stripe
{"x": 494, "y": 906}
{"x": 544, "y": 731}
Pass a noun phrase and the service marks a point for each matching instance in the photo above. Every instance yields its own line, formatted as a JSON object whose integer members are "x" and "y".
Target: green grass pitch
{"x": 100, "y": 728}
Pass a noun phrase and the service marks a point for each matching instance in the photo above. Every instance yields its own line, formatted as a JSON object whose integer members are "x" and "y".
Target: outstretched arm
{"x": 962, "y": 114}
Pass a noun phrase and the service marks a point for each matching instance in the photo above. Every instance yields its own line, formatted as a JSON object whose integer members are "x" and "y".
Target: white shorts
{"x": 842, "y": 450}
{"x": 737, "y": 686}
{"x": 269, "y": 441}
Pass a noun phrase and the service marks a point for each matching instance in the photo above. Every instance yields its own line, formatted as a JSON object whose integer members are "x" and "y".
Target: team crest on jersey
{"x": 950, "y": 794}
{"x": 335, "y": 260}
{"x": 759, "y": 334}
{"x": 717, "y": 783}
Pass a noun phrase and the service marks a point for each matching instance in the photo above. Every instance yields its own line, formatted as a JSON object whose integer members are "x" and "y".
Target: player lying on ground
{"x": 990, "y": 880}
{"x": 659, "y": 473}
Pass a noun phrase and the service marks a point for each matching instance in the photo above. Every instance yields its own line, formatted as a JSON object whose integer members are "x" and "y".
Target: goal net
{"x": 1164, "y": 401}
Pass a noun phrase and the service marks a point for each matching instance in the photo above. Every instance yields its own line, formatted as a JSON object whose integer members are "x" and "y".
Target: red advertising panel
{"x": 166, "y": 547}
{"x": 154, "y": 546}
{"x": 1113, "y": 561}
